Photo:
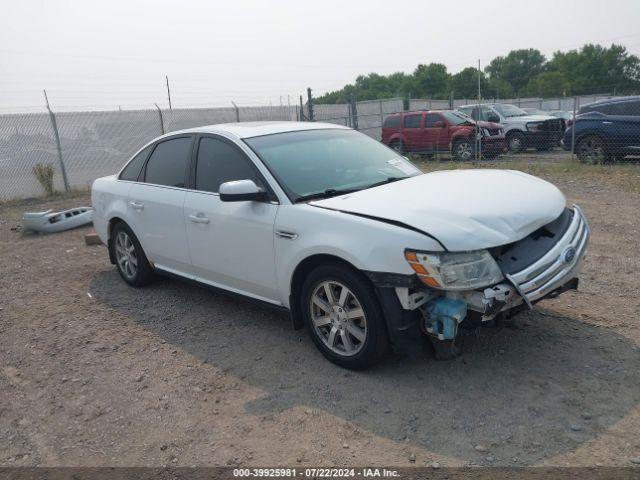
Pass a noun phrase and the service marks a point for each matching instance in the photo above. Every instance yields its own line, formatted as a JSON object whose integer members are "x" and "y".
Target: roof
{"x": 433, "y": 110}
{"x": 256, "y": 129}
{"x": 613, "y": 100}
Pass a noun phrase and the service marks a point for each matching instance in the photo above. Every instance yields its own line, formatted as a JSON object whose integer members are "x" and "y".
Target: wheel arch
{"x": 396, "y": 137}
{"x": 113, "y": 221}
{"x": 303, "y": 268}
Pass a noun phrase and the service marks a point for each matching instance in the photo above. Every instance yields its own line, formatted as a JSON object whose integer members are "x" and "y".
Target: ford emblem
{"x": 568, "y": 255}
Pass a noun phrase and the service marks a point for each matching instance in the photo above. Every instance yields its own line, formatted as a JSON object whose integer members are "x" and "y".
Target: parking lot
{"x": 94, "y": 372}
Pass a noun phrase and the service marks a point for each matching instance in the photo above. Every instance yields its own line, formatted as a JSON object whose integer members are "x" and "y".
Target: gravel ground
{"x": 95, "y": 373}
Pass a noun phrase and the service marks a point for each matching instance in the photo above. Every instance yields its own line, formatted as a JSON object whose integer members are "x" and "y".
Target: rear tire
{"x": 347, "y": 326}
{"x": 131, "y": 261}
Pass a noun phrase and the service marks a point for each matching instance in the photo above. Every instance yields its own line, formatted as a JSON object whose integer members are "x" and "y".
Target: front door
{"x": 436, "y": 136}
{"x": 231, "y": 243}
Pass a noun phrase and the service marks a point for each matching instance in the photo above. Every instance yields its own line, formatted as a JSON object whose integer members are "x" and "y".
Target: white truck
{"x": 348, "y": 236}
{"x": 522, "y": 130}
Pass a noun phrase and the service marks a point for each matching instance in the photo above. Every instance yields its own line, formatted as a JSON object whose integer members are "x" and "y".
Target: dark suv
{"x": 606, "y": 130}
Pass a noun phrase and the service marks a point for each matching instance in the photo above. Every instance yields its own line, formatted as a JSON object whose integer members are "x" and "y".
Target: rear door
{"x": 412, "y": 132}
{"x": 231, "y": 243}
{"x": 155, "y": 205}
{"x": 625, "y": 125}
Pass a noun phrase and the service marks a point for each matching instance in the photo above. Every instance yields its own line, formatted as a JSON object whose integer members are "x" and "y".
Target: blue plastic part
{"x": 443, "y": 315}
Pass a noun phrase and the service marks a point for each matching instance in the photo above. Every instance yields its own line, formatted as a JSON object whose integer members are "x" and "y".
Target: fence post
{"x": 354, "y": 111}
{"x": 573, "y": 129}
{"x": 56, "y": 136}
{"x": 303, "y": 118}
{"x": 310, "y": 104}
{"x": 235, "y": 107}
{"x": 161, "y": 119}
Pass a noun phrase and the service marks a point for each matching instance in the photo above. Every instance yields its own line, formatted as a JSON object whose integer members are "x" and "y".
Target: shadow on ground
{"x": 532, "y": 392}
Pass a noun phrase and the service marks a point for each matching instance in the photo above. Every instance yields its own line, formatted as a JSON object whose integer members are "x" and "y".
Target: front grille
{"x": 552, "y": 125}
{"x": 494, "y": 131}
{"x": 555, "y": 268}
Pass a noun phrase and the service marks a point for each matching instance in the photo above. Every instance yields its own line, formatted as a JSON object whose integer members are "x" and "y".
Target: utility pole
{"x": 168, "y": 90}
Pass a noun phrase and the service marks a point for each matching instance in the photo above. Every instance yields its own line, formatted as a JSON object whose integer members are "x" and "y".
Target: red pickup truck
{"x": 443, "y": 131}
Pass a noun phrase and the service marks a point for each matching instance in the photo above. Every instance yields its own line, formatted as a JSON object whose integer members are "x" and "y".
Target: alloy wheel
{"x": 338, "y": 318}
{"x": 591, "y": 149}
{"x": 515, "y": 144}
{"x": 464, "y": 151}
{"x": 126, "y": 255}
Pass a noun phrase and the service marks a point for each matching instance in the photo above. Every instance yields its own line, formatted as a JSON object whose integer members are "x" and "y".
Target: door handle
{"x": 198, "y": 218}
{"x": 606, "y": 123}
{"x": 137, "y": 205}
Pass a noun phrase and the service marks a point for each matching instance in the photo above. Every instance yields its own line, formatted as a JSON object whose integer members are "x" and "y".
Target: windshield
{"x": 507, "y": 110}
{"x": 314, "y": 161}
{"x": 456, "y": 118}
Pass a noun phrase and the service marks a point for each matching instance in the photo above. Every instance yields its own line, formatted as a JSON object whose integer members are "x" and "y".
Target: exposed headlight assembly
{"x": 455, "y": 271}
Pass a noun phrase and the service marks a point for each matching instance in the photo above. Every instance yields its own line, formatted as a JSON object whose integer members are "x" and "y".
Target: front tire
{"x": 591, "y": 149}
{"x": 343, "y": 316}
{"x": 463, "y": 150}
{"x": 516, "y": 142}
{"x": 131, "y": 261}
{"x": 398, "y": 146}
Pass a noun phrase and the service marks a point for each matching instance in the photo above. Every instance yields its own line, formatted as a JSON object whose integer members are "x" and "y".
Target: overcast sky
{"x": 117, "y": 52}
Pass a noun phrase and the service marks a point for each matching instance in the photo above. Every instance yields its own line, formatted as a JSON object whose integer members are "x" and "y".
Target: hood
{"x": 483, "y": 124}
{"x": 463, "y": 209}
{"x": 531, "y": 118}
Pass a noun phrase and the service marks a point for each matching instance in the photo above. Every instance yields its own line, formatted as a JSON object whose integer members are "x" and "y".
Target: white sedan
{"x": 348, "y": 236}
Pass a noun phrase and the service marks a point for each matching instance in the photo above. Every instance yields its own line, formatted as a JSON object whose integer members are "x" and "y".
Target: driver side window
{"x": 219, "y": 162}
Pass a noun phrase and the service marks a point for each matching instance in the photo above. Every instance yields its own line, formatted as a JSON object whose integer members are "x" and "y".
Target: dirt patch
{"x": 98, "y": 373}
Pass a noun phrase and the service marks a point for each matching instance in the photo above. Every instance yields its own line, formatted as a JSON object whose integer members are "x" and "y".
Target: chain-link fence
{"x": 82, "y": 146}
{"x": 87, "y": 145}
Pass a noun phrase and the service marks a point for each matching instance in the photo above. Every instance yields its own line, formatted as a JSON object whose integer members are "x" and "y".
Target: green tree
{"x": 547, "y": 84}
{"x": 517, "y": 67}
{"x": 498, "y": 88}
{"x": 465, "y": 83}
{"x": 598, "y": 69}
{"x": 430, "y": 81}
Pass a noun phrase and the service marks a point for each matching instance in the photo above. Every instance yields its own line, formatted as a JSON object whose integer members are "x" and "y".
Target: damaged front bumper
{"x": 439, "y": 313}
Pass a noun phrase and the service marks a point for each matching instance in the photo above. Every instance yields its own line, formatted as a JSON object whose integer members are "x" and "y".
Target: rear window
{"x": 412, "y": 121}
{"x": 132, "y": 170}
{"x": 392, "y": 122}
{"x": 625, "y": 108}
{"x": 631, "y": 107}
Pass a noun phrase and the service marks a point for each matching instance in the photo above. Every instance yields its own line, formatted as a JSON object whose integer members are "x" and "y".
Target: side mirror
{"x": 241, "y": 191}
{"x": 493, "y": 118}
{"x": 440, "y": 124}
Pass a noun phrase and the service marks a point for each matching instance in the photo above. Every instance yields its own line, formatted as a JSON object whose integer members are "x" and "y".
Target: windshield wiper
{"x": 383, "y": 182}
{"x": 329, "y": 192}
{"x": 332, "y": 192}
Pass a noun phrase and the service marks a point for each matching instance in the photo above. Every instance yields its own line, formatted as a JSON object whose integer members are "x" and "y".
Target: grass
{"x": 20, "y": 202}
{"x": 622, "y": 175}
